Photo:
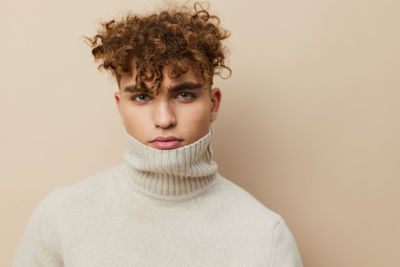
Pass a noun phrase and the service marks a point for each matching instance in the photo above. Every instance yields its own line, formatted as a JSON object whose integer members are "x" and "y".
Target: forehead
{"x": 129, "y": 79}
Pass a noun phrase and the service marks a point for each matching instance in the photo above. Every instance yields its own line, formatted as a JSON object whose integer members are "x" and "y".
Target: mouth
{"x": 168, "y": 142}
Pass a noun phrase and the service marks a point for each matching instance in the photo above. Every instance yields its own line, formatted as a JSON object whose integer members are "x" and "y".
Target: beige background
{"x": 309, "y": 122}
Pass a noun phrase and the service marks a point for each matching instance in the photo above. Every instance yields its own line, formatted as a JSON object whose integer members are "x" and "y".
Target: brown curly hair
{"x": 180, "y": 37}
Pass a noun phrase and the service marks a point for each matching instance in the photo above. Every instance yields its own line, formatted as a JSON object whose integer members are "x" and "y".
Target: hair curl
{"x": 181, "y": 38}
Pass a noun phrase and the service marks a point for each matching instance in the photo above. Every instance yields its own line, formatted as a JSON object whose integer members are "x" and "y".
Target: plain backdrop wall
{"x": 309, "y": 122}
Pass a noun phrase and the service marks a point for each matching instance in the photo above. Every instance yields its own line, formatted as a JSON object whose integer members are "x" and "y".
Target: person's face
{"x": 181, "y": 111}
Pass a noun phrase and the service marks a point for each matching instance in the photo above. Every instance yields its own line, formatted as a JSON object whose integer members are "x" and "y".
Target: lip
{"x": 166, "y": 138}
{"x": 166, "y": 142}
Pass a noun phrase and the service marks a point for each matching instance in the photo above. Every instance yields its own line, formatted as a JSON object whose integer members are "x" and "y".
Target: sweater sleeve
{"x": 284, "y": 250}
{"x": 39, "y": 246}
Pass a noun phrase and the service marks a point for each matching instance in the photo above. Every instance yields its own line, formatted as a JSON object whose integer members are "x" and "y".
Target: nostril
{"x": 165, "y": 124}
{"x": 171, "y": 126}
{"x": 163, "y": 114}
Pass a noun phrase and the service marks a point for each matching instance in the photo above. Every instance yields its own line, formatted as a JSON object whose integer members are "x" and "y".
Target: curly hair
{"x": 181, "y": 38}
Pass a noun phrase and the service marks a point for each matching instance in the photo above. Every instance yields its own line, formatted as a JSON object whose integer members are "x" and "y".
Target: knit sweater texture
{"x": 159, "y": 208}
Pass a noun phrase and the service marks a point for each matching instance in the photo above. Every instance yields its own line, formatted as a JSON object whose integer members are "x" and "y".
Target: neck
{"x": 175, "y": 173}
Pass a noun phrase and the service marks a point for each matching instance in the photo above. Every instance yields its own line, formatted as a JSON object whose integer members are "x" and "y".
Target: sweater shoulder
{"x": 86, "y": 191}
{"x": 246, "y": 204}
{"x": 58, "y": 211}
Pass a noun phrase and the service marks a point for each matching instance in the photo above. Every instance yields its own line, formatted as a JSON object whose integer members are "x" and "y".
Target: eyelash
{"x": 191, "y": 96}
{"x": 135, "y": 96}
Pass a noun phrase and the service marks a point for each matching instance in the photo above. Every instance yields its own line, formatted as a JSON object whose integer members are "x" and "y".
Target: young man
{"x": 167, "y": 205}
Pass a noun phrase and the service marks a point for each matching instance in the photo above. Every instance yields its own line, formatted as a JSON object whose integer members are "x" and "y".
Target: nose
{"x": 164, "y": 115}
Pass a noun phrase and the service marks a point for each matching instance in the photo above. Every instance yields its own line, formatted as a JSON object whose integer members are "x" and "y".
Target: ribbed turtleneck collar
{"x": 174, "y": 173}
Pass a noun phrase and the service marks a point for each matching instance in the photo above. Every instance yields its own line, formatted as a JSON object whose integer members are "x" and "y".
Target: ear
{"x": 117, "y": 96}
{"x": 215, "y": 96}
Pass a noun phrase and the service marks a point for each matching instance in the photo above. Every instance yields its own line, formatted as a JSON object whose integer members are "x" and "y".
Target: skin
{"x": 185, "y": 114}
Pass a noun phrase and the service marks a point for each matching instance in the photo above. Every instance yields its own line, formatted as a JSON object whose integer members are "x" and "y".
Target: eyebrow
{"x": 175, "y": 88}
{"x": 133, "y": 89}
{"x": 184, "y": 86}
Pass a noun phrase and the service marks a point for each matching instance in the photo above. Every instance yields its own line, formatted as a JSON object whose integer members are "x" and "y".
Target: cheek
{"x": 195, "y": 119}
{"x": 196, "y": 111}
{"x": 135, "y": 121}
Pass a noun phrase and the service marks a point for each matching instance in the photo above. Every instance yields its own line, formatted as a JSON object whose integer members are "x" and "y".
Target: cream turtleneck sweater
{"x": 160, "y": 208}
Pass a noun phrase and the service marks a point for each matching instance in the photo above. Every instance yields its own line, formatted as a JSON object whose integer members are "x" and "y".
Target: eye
{"x": 185, "y": 95}
{"x": 140, "y": 98}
